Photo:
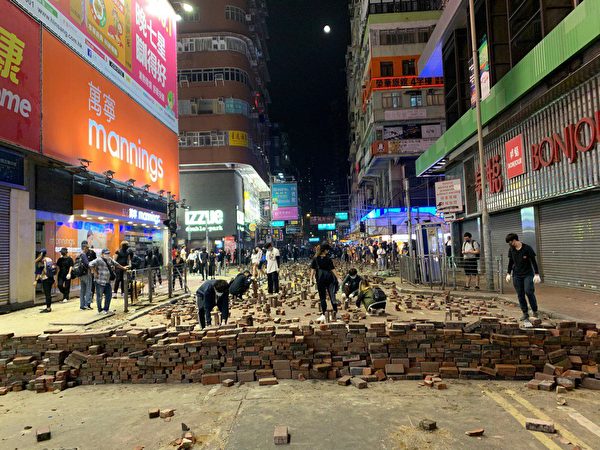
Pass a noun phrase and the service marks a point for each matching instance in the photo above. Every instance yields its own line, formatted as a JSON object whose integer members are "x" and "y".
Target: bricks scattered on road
{"x": 476, "y": 432}
{"x": 43, "y": 434}
{"x": 164, "y": 413}
{"x": 539, "y": 425}
{"x": 427, "y": 425}
{"x": 281, "y": 435}
{"x": 153, "y": 413}
{"x": 228, "y": 382}
{"x": 269, "y": 381}
{"x": 344, "y": 381}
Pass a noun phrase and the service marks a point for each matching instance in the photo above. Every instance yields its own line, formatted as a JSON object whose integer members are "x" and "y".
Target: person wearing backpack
{"x": 326, "y": 278}
{"x": 81, "y": 270}
{"x": 104, "y": 272}
{"x": 46, "y": 277}
{"x": 371, "y": 297}
{"x": 471, "y": 251}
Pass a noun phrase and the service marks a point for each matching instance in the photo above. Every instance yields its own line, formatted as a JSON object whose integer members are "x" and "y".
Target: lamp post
{"x": 485, "y": 217}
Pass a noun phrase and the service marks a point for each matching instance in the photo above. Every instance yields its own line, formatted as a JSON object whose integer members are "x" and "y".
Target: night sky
{"x": 308, "y": 89}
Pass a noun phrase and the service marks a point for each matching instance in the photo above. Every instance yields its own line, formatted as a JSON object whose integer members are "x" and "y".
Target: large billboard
{"x": 131, "y": 42}
{"x": 20, "y": 112}
{"x": 284, "y": 201}
{"x": 87, "y": 116}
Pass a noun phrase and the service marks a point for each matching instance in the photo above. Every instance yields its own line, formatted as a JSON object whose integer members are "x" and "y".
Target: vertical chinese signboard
{"x": 515, "y": 161}
{"x": 86, "y": 116}
{"x": 131, "y": 42}
{"x": 20, "y": 113}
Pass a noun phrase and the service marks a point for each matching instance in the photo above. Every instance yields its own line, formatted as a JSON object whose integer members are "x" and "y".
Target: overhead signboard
{"x": 313, "y": 240}
{"x": 86, "y": 116}
{"x": 133, "y": 43}
{"x": 198, "y": 221}
{"x": 20, "y": 112}
{"x": 326, "y": 227}
{"x": 278, "y": 223}
{"x": 448, "y": 196}
{"x": 293, "y": 229}
{"x": 284, "y": 201}
{"x": 341, "y": 216}
{"x": 316, "y": 220}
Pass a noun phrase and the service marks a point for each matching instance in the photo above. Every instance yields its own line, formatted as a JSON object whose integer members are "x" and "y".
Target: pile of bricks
{"x": 487, "y": 348}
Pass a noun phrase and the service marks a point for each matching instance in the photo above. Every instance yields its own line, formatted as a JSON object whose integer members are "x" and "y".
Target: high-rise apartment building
{"x": 395, "y": 114}
{"x": 223, "y": 120}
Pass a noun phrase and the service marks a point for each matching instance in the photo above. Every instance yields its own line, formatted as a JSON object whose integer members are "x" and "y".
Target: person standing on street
{"x": 48, "y": 269}
{"x": 381, "y": 258}
{"x": 103, "y": 269}
{"x": 122, "y": 257}
{"x": 81, "y": 269}
{"x": 178, "y": 270}
{"x": 524, "y": 272}
{"x": 471, "y": 251}
{"x": 65, "y": 266}
{"x": 255, "y": 261}
{"x": 326, "y": 279}
{"x": 272, "y": 256}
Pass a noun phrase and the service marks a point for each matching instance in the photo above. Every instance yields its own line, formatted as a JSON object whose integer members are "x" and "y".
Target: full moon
{"x": 327, "y": 29}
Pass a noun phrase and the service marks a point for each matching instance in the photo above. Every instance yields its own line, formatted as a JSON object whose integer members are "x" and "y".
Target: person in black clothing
{"x": 203, "y": 263}
{"x": 326, "y": 278}
{"x": 212, "y": 265}
{"x": 212, "y": 293}
{"x": 350, "y": 285}
{"x": 240, "y": 284}
{"x": 46, "y": 276}
{"x": 178, "y": 268}
{"x": 63, "y": 280}
{"x": 156, "y": 264}
{"x": 122, "y": 257}
{"x": 524, "y": 271}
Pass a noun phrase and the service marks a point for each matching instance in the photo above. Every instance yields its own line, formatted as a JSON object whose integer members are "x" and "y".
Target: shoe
{"x": 89, "y": 307}
{"x": 46, "y": 310}
{"x": 321, "y": 318}
{"x": 466, "y": 288}
{"x": 103, "y": 312}
{"x": 100, "y": 312}
{"x": 525, "y": 316}
{"x": 477, "y": 287}
{"x": 535, "y": 314}
{"x": 65, "y": 300}
{"x": 83, "y": 309}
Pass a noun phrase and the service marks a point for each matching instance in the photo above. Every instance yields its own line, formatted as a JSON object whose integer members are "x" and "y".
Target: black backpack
{"x": 379, "y": 295}
{"x": 79, "y": 269}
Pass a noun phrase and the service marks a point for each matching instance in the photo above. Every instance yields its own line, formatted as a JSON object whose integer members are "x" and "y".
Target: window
{"x": 202, "y": 139}
{"x": 236, "y": 106}
{"x": 235, "y": 13}
{"x": 409, "y": 67}
{"x": 416, "y": 99}
{"x": 435, "y": 98}
{"x": 214, "y": 43}
{"x": 387, "y": 69}
{"x": 208, "y": 75}
{"x": 392, "y": 100}
{"x": 403, "y": 36}
{"x": 193, "y": 16}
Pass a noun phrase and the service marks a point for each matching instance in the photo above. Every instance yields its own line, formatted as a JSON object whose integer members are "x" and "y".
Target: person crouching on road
{"x": 240, "y": 284}
{"x": 524, "y": 272}
{"x": 350, "y": 285}
{"x": 371, "y": 297}
{"x": 212, "y": 293}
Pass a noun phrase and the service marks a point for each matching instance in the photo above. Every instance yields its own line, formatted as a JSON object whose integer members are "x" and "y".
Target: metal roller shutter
{"x": 500, "y": 226}
{"x": 570, "y": 242}
{"x": 4, "y": 246}
{"x": 472, "y": 226}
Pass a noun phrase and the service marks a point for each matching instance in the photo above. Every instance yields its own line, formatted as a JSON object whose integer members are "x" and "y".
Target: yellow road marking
{"x": 545, "y": 440}
{"x": 563, "y": 431}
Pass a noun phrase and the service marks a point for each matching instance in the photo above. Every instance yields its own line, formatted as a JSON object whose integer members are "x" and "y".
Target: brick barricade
{"x": 488, "y": 348}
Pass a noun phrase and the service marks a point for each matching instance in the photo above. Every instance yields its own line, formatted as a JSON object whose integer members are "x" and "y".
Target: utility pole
{"x": 485, "y": 217}
{"x": 408, "y": 213}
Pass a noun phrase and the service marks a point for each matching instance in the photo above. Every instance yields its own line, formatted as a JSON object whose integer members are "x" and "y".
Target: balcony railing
{"x": 403, "y": 6}
{"x": 395, "y": 83}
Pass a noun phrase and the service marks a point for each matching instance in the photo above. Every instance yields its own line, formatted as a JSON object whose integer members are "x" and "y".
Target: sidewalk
{"x": 562, "y": 303}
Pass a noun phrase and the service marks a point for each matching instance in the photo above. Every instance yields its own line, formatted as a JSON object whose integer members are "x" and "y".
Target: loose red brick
{"x": 344, "y": 381}
{"x": 539, "y": 425}
{"x": 281, "y": 435}
{"x": 153, "y": 413}
{"x": 228, "y": 382}
{"x": 43, "y": 434}
{"x": 268, "y": 381}
{"x": 164, "y": 413}
{"x": 476, "y": 432}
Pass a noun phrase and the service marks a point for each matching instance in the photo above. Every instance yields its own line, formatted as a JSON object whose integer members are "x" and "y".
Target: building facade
{"x": 84, "y": 155}
{"x": 224, "y": 125}
{"x": 541, "y": 117}
{"x": 395, "y": 113}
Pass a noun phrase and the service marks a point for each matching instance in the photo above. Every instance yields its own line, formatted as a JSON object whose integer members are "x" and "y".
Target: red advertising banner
{"x": 515, "y": 162}
{"x": 20, "y": 113}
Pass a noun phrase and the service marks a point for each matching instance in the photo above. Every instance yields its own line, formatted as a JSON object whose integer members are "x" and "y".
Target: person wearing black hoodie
{"x": 122, "y": 257}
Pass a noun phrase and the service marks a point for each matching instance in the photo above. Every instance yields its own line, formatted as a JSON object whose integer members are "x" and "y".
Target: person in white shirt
{"x": 255, "y": 260}
{"x": 470, "y": 252}
{"x": 272, "y": 268}
{"x": 381, "y": 258}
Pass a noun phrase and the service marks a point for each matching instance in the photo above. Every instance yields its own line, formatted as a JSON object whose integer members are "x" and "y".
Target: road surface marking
{"x": 545, "y": 440}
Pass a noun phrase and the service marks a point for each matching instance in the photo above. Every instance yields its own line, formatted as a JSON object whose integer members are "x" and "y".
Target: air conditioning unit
{"x": 248, "y": 18}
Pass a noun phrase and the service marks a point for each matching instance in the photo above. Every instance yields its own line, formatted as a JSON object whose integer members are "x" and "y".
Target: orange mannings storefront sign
{"x": 86, "y": 116}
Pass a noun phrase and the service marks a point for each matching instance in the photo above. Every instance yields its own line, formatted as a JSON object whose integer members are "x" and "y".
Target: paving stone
{"x": 43, "y": 434}
{"x": 427, "y": 425}
{"x": 539, "y": 425}
{"x": 281, "y": 435}
{"x": 153, "y": 413}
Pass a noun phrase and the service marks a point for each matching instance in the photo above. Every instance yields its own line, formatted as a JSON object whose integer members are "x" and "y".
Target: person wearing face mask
{"x": 212, "y": 293}
{"x": 65, "y": 266}
{"x": 524, "y": 272}
{"x": 326, "y": 278}
{"x": 471, "y": 251}
{"x": 350, "y": 285}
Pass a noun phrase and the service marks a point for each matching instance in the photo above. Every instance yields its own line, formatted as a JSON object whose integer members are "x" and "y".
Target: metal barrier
{"x": 151, "y": 283}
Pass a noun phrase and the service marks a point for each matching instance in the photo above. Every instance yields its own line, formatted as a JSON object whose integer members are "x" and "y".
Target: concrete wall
{"x": 22, "y": 248}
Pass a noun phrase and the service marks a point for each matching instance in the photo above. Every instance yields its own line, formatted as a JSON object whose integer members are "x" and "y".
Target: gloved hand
{"x": 508, "y": 277}
{"x": 68, "y": 276}
{"x": 537, "y": 279}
